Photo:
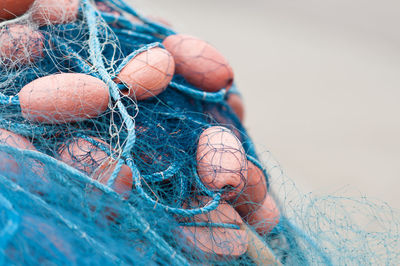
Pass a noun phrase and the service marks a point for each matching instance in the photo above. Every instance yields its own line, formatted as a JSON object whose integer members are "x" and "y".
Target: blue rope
{"x": 134, "y": 35}
{"x": 95, "y": 57}
{"x": 213, "y": 97}
{"x": 95, "y": 143}
{"x": 217, "y": 225}
{"x": 163, "y": 175}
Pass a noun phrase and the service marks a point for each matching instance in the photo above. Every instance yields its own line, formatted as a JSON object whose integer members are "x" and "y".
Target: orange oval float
{"x": 62, "y": 98}
{"x": 7, "y": 161}
{"x": 215, "y": 242}
{"x": 20, "y": 45}
{"x": 83, "y": 155}
{"x": 13, "y": 8}
{"x": 28, "y": 172}
{"x": 15, "y": 140}
{"x": 255, "y": 205}
{"x": 199, "y": 62}
{"x": 148, "y": 73}
{"x": 221, "y": 161}
{"x": 48, "y": 12}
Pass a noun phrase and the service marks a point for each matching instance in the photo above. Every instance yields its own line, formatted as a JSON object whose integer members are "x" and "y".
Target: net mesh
{"x": 97, "y": 170}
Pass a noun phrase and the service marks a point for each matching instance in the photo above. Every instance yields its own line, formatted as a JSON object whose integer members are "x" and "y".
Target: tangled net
{"x": 121, "y": 142}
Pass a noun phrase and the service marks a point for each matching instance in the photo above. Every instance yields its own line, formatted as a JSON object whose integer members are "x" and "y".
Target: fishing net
{"x": 121, "y": 142}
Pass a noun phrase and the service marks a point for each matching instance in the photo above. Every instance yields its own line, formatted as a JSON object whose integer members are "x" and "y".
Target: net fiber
{"x": 121, "y": 142}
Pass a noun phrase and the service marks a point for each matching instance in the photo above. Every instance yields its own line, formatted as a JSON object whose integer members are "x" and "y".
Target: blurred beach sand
{"x": 320, "y": 81}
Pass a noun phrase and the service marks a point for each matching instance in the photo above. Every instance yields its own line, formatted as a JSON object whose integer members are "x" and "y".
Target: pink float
{"x": 13, "y": 8}
{"x": 255, "y": 205}
{"x": 199, "y": 62}
{"x": 147, "y": 74}
{"x": 62, "y": 98}
{"x": 215, "y": 242}
{"x": 20, "y": 45}
{"x": 221, "y": 161}
{"x": 48, "y": 12}
{"x": 86, "y": 157}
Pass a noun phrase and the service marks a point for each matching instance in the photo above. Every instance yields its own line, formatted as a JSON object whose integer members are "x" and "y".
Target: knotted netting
{"x": 121, "y": 142}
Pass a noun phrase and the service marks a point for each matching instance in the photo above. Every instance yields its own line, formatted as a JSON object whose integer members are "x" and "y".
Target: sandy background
{"x": 320, "y": 80}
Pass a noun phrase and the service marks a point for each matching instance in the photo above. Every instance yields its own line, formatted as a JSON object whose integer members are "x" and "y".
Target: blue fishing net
{"x": 54, "y": 211}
